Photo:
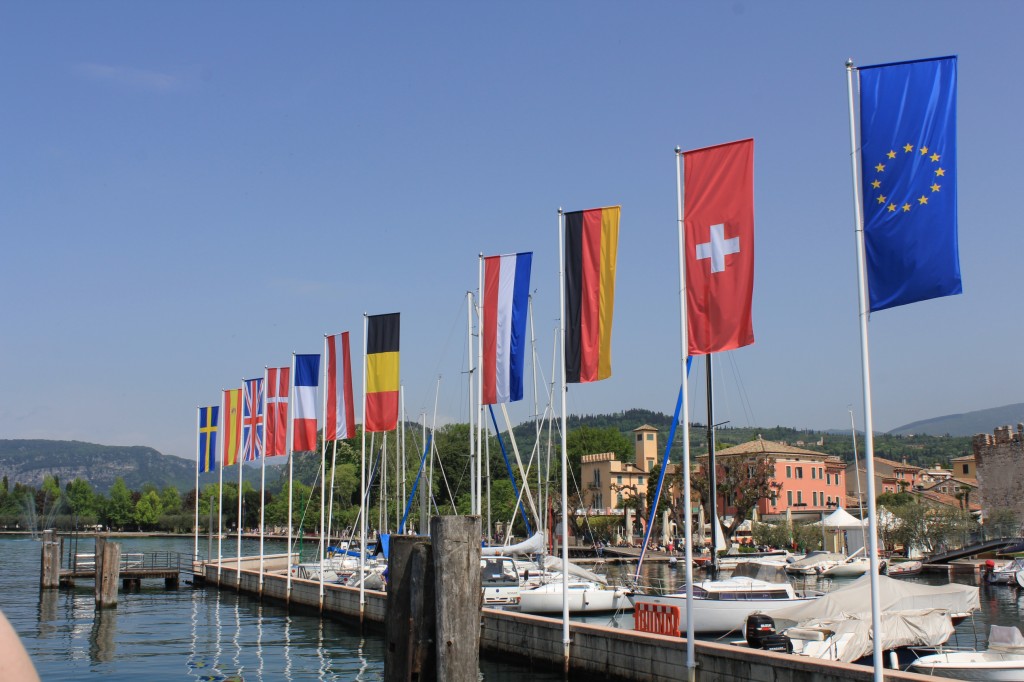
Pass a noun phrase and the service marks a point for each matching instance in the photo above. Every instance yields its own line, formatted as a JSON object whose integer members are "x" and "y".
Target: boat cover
{"x": 1005, "y": 638}
{"x": 894, "y": 595}
{"x": 816, "y": 558}
{"x": 852, "y": 633}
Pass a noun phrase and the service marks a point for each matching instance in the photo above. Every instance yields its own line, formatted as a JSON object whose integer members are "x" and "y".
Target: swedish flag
{"x": 908, "y": 167}
{"x": 207, "y": 457}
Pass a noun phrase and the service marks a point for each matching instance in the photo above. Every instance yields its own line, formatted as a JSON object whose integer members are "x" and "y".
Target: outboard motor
{"x": 760, "y": 633}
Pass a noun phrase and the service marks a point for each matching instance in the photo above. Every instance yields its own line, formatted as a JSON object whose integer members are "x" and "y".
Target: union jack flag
{"x": 252, "y": 420}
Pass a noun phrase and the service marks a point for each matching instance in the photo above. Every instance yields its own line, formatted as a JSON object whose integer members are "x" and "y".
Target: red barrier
{"x": 661, "y": 619}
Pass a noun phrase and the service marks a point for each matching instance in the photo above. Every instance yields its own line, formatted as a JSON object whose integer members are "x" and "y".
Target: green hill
{"x": 966, "y": 424}
{"x": 28, "y": 461}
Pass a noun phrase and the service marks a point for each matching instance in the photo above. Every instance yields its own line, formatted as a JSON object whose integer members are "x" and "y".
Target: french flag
{"x": 506, "y": 297}
{"x": 307, "y": 373}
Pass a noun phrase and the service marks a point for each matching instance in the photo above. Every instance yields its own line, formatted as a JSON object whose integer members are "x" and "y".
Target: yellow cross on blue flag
{"x": 908, "y": 173}
{"x": 207, "y": 456}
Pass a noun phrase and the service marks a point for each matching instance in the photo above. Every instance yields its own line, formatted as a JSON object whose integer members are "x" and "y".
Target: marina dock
{"x": 612, "y": 653}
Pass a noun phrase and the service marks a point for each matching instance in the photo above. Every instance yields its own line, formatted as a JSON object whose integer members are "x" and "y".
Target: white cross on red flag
{"x": 718, "y": 215}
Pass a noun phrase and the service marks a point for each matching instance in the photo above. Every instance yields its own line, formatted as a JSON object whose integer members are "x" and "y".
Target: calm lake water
{"x": 206, "y": 634}
{"x": 189, "y": 633}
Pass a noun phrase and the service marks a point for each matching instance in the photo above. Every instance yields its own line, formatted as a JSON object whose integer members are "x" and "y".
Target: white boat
{"x": 1005, "y": 574}
{"x": 1003, "y": 661}
{"x": 815, "y": 563}
{"x": 723, "y": 605}
{"x": 585, "y": 596}
{"x": 851, "y": 568}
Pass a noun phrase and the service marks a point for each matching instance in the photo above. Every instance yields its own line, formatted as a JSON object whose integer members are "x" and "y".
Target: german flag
{"x": 382, "y": 334}
{"x": 591, "y": 245}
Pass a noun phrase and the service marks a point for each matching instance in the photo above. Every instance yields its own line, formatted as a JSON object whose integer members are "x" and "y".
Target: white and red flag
{"x": 718, "y": 214}
{"x": 340, "y": 410}
{"x": 278, "y": 381}
{"x": 307, "y": 378}
{"x": 506, "y": 300}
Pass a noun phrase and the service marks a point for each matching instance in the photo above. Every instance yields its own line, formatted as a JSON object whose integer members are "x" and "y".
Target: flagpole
{"x": 220, "y": 483}
{"x": 362, "y": 486}
{"x": 479, "y": 381}
{"x": 869, "y": 440}
{"x": 473, "y": 492}
{"x": 565, "y": 464}
{"x": 240, "y": 459}
{"x": 323, "y": 478}
{"x": 263, "y": 467}
{"x": 691, "y": 664}
{"x": 195, "y": 547}
{"x": 291, "y": 458}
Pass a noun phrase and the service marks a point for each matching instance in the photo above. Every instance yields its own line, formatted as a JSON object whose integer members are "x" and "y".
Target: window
{"x": 812, "y": 472}
{"x": 751, "y": 471}
{"x": 619, "y": 499}
{"x": 650, "y": 436}
{"x": 639, "y": 480}
{"x": 814, "y": 497}
{"x": 799, "y": 472}
{"x": 775, "y": 500}
{"x": 597, "y": 477}
{"x": 789, "y": 497}
{"x": 619, "y": 480}
{"x": 639, "y": 437}
{"x": 966, "y": 467}
{"x": 799, "y": 496}
{"x": 789, "y": 471}
{"x": 819, "y": 473}
{"x": 829, "y": 503}
{"x": 828, "y": 479}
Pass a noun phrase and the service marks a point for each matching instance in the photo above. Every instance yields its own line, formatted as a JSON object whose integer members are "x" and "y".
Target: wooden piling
{"x": 409, "y": 625}
{"x": 107, "y": 570}
{"x": 49, "y": 577}
{"x": 101, "y": 542}
{"x": 458, "y": 597}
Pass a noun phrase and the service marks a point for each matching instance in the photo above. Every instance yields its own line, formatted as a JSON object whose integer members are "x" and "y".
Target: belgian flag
{"x": 591, "y": 246}
{"x": 382, "y": 335}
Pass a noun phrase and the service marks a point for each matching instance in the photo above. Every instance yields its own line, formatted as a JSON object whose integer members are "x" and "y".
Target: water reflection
{"x": 48, "y": 610}
{"x": 102, "y": 635}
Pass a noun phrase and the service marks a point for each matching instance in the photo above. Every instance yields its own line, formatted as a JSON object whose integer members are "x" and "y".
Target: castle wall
{"x": 1000, "y": 465}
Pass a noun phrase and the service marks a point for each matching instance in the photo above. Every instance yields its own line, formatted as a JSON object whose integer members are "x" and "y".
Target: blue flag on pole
{"x": 208, "y": 423}
{"x": 908, "y": 169}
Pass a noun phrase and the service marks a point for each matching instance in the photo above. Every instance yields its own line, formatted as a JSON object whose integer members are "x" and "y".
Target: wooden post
{"x": 101, "y": 542}
{"x": 409, "y": 626}
{"x": 458, "y": 597}
{"x": 49, "y": 578}
{"x": 106, "y": 575}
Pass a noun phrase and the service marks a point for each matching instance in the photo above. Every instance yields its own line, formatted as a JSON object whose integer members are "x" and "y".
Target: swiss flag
{"x": 719, "y": 242}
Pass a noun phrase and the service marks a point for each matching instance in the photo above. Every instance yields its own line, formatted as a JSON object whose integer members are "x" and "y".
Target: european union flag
{"x": 207, "y": 456}
{"x": 908, "y": 167}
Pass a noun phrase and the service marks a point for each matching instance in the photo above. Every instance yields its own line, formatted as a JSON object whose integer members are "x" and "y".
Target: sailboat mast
{"x": 712, "y": 474}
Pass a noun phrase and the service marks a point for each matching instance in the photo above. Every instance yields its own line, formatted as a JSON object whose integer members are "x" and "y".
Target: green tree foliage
{"x": 119, "y": 509}
{"x": 148, "y": 510}
{"x": 741, "y": 481}
{"x": 170, "y": 498}
{"x": 81, "y": 498}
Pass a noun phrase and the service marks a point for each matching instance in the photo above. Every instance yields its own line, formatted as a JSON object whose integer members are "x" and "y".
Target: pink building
{"x": 806, "y": 481}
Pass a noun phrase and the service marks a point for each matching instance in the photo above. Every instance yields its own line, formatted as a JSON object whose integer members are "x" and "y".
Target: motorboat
{"x": 815, "y": 563}
{"x": 723, "y": 605}
{"x": 853, "y": 567}
{"x": 902, "y": 569}
{"x": 838, "y": 626}
{"x": 1003, "y": 661}
{"x": 1005, "y": 574}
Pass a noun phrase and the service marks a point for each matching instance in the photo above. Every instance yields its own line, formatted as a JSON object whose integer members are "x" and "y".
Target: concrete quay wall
{"x": 611, "y": 653}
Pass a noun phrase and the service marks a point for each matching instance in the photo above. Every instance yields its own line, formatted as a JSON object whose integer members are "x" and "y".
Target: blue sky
{"x": 192, "y": 191}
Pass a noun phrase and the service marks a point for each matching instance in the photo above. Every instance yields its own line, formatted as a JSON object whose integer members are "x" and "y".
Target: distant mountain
{"x": 966, "y": 424}
{"x": 28, "y": 461}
